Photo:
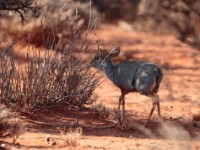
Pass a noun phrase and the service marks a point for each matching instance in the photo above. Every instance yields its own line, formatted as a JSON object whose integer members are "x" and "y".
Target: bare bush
{"x": 50, "y": 78}
{"x": 46, "y": 80}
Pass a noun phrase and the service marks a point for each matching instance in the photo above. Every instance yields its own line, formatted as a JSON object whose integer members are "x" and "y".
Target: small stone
{"x": 53, "y": 143}
{"x": 48, "y": 139}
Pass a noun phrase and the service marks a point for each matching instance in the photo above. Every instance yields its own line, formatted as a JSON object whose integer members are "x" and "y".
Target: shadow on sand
{"x": 51, "y": 120}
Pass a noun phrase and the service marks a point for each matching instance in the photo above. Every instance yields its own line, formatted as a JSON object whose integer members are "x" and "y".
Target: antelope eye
{"x": 96, "y": 57}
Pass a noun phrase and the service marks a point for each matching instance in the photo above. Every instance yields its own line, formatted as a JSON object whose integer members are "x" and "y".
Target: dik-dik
{"x": 130, "y": 76}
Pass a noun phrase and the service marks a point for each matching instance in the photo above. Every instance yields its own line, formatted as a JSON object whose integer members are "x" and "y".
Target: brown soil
{"x": 179, "y": 94}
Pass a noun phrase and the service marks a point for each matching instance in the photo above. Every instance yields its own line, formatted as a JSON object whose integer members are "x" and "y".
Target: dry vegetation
{"x": 71, "y": 136}
{"x": 21, "y": 7}
{"x": 100, "y": 111}
{"x": 51, "y": 79}
{"x": 54, "y": 28}
{"x": 54, "y": 72}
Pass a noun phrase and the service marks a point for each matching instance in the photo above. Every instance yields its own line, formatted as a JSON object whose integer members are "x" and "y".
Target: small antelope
{"x": 130, "y": 76}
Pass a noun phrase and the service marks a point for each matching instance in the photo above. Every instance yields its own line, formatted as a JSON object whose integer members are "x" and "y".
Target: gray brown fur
{"x": 131, "y": 76}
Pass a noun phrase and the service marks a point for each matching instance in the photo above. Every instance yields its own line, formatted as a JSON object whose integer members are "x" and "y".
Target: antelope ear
{"x": 115, "y": 52}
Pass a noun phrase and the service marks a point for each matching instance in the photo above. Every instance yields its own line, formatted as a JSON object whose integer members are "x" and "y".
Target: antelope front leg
{"x": 121, "y": 121}
{"x": 123, "y": 115}
{"x": 118, "y": 110}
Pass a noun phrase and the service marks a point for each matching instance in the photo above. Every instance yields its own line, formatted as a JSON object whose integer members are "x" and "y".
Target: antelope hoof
{"x": 123, "y": 127}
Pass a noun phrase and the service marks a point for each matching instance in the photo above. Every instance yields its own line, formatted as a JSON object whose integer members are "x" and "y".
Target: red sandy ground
{"x": 179, "y": 94}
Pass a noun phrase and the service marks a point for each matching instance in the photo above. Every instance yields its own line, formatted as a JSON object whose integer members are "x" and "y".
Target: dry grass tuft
{"x": 71, "y": 136}
{"x": 100, "y": 111}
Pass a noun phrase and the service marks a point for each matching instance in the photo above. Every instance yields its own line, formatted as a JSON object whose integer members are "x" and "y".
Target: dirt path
{"x": 179, "y": 93}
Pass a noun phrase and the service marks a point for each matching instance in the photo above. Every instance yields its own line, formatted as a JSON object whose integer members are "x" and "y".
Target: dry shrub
{"x": 46, "y": 80}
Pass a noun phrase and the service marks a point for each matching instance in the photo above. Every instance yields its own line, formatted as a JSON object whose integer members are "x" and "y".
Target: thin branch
{"x": 21, "y": 7}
